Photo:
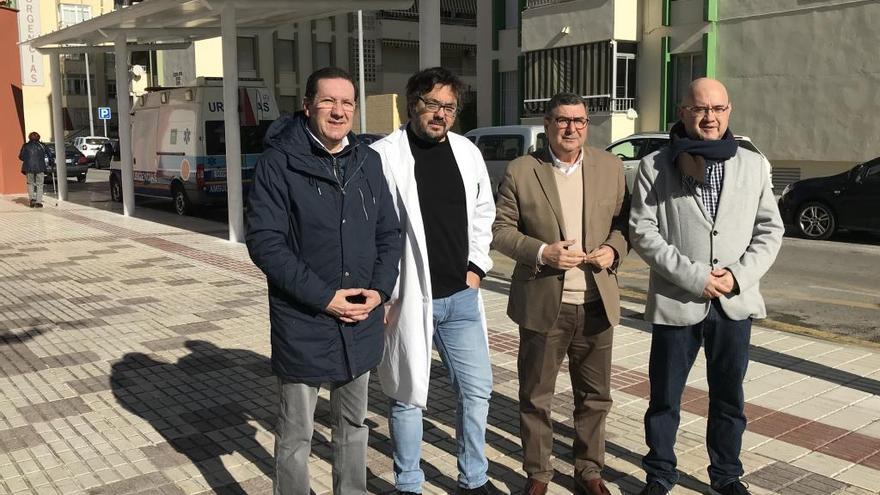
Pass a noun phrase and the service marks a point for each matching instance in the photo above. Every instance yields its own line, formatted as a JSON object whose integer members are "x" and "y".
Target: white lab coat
{"x": 406, "y": 365}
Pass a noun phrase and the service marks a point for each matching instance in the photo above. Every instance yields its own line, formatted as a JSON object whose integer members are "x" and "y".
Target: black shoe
{"x": 408, "y": 493}
{"x": 38, "y": 205}
{"x": 487, "y": 489}
{"x": 735, "y": 488}
{"x": 32, "y": 203}
{"x": 654, "y": 488}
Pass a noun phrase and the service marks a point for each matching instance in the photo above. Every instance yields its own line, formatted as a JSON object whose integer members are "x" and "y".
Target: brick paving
{"x": 134, "y": 359}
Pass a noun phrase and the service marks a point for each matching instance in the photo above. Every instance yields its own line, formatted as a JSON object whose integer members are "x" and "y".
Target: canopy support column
{"x": 58, "y": 127}
{"x": 229, "y": 40}
{"x": 123, "y": 109}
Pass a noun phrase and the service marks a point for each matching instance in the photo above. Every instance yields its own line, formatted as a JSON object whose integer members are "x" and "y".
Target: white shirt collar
{"x": 344, "y": 141}
{"x": 566, "y": 168}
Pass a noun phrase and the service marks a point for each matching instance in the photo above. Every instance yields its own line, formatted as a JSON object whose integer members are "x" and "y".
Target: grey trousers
{"x": 35, "y": 187}
{"x": 296, "y": 423}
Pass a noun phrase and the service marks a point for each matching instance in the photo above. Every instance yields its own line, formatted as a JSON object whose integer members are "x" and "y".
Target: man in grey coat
{"x": 705, "y": 220}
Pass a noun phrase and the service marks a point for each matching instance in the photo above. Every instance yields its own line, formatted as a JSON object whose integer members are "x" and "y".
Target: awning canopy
{"x": 154, "y": 21}
{"x": 164, "y": 24}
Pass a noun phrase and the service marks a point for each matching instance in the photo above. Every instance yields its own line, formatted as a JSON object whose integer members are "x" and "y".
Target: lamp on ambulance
{"x": 164, "y": 97}
{"x": 188, "y": 95}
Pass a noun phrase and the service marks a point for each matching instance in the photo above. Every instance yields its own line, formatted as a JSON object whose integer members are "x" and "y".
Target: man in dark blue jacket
{"x": 33, "y": 156}
{"x": 322, "y": 227}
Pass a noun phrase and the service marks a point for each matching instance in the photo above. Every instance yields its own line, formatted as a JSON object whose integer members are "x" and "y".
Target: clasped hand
{"x": 720, "y": 282}
{"x": 559, "y": 256}
{"x": 353, "y": 305}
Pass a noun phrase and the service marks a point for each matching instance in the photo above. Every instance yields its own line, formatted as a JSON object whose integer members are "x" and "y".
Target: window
{"x": 686, "y": 67}
{"x": 509, "y": 97}
{"x": 285, "y": 56}
{"x": 582, "y": 69}
{"x": 251, "y": 137}
{"x": 872, "y": 175}
{"x": 247, "y": 54}
{"x": 636, "y": 149}
{"x": 288, "y": 103}
{"x": 70, "y": 14}
{"x": 322, "y": 54}
{"x": 626, "y": 75}
{"x": 75, "y": 84}
{"x": 501, "y": 147}
{"x": 369, "y": 60}
{"x": 511, "y": 14}
{"x": 625, "y": 150}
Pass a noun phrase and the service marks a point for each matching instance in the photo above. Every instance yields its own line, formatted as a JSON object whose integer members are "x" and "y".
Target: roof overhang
{"x": 176, "y": 21}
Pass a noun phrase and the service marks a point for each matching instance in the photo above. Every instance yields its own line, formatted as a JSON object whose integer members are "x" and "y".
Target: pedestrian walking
{"x": 561, "y": 218}
{"x": 443, "y": 196}
{"x": 321, "y": 226}
{"x": 34, "y": 163}
{"x": 705, "y": 220}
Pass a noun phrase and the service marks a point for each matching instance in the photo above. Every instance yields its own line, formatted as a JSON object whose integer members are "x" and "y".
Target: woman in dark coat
{"x": 34, "y": 163}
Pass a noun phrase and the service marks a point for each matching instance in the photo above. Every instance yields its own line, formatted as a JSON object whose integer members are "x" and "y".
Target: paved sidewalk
{"x": 134, "y": 359}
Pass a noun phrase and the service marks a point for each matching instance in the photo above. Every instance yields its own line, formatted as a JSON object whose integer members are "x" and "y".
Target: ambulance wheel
{"x": 115, "y": 188}
{"x": 182, "y": 204}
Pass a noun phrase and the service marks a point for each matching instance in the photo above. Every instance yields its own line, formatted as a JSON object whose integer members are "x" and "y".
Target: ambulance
{"x": 179, "y": 145}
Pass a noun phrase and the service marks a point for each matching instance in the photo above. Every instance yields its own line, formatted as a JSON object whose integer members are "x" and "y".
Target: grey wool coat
{"x": 673, "y": 233}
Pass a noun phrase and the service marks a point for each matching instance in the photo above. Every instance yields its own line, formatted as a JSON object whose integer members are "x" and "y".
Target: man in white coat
{"x": 443, "y": 196}
{"x": 704, "y": 219}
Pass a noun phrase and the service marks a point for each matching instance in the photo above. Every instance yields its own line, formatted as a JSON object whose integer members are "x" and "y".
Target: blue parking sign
{"x": 104, "y": 113}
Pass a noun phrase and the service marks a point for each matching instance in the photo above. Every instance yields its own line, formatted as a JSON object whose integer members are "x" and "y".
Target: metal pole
{"x": 613, "y": 75}
{"x": 58, "y": 127}
{"x": 123, "y": 109}
{"x": 228, "y": 34}
{"x": 105, "y": 123}
{"x": 429, "y": 33}
{"x": 89, "y": 92}
{"x": 363, "y": 92}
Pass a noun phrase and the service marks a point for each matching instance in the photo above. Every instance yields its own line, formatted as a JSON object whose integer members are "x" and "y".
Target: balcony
{"x": 596, "y": 104}
{"x": 532, "y": 4}
{"x": 454, "y": 12}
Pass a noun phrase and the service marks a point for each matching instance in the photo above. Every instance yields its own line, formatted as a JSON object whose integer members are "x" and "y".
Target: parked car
{"x": 632, "y": 149}
{"x": 76, "y": 161}
{"x": 90, "y": 145}
{"x": 819, "y": 206}
{"x": 501, "y": 144}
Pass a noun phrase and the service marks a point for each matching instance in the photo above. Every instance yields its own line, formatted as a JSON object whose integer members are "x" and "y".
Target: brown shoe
{"x": 535, "y": 487}
{"x": 593, "y": 486}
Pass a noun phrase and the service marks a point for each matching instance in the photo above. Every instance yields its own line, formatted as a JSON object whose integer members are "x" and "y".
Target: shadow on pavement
{"x": 95, "y": 193}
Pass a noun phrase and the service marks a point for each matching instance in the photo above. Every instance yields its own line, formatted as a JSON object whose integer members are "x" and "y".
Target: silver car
{"x": 632, "y": 149}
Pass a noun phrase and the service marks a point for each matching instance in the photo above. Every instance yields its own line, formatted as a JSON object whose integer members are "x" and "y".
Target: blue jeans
{"x": 673, "y": 351}
{"x": 458, "y": 337}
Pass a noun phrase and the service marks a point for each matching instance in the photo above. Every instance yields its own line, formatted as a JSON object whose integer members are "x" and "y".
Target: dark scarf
{"x": 690, "y": 155}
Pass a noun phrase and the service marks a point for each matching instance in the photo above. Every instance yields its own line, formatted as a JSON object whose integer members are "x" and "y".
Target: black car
{"x": 817, "y": 207}
{"x": 77, "y": 163}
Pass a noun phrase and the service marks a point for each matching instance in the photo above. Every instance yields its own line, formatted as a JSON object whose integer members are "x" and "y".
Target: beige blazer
{"x": 529, "y": 214}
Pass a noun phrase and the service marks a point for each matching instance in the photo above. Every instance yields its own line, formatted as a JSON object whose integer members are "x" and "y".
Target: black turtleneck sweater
{"x": 444, "y": 213}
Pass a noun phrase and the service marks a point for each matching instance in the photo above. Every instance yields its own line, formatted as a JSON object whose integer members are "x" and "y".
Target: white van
{"x": 501, "y": 144}
{"x": 179, "y": 145}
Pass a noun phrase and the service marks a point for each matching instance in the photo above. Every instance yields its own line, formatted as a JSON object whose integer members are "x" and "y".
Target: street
{"x": 827, "y": 289}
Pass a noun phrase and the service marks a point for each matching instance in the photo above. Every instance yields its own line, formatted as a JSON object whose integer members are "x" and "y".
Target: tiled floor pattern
{"x": 133, "y": 359}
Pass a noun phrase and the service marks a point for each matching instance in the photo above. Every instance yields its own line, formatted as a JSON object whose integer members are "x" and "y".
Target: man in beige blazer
{"x": 560, "y": 215}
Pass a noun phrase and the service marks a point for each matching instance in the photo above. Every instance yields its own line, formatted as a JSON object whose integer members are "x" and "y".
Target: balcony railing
{"x": 456, "y": 12}
{"x": 531, "y": 4}
{"x": 595, "y": 104}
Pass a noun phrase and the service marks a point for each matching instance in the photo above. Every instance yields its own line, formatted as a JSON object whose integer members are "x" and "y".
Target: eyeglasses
{"x": 700, "y": 111}
{"x": 330, "y": 103}
{"x": 435, "y": 106}
{"x": 578, "y": 122}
